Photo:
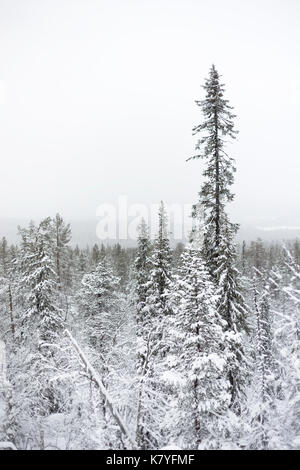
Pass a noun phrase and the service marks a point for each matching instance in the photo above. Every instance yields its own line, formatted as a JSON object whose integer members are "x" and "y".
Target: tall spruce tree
{"x": 218, "y": 249}
{"x": 217, "y": 127}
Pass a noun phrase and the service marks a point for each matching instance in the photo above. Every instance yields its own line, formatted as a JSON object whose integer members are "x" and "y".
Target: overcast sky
{"x": 97, "y": 100}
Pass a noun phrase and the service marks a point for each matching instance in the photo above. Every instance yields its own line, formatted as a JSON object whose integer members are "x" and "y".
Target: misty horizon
{"x": 92, "y": 108}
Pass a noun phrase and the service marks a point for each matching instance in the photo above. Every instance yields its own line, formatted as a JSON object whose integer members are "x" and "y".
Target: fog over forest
{"x": 149, "y": 226}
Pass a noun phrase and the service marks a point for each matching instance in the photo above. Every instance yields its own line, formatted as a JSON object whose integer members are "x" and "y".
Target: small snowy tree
{"x": 97, "y": 301}
{"x": 204, "y": 393}
{"x": 232, "y": 307}
{"x": 61, "y": 236}
{"x": 152, "y": 343}
{"x": 142, "y": 269}
{"x": 262, "y": 403}
{"x": 160, "y": 272}
{"x": 42, "y": 321}
{"x": 286, "y": 336}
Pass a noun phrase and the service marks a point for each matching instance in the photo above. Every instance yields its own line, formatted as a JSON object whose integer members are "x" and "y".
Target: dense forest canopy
{"x": 192, "y": 347}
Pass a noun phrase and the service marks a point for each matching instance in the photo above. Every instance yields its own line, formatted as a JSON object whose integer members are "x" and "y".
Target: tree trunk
{"x": 103, "y": 392}
{"x": 12, "y": 322}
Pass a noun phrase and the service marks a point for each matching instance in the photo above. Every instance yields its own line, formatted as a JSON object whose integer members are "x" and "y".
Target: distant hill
{"x": 84, "y": 232}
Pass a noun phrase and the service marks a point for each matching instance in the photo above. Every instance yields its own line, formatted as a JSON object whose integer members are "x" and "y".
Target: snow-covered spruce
{"x": 201, "y": 355}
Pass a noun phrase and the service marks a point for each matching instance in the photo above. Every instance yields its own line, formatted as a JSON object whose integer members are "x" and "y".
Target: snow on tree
{"x": 96, "y": 256}
{"x": 100, "y": 306}
{"x": 144, "y": 348}
{"x": 203, "y": 387}
{"x": 264, "y": 363}
{"x": 142, "y": 267}
{"x": 104, "y": 393}
{"x": 7, "y": 284}
{"x": 153, "y": 310}
{"x": 217, "y": 127}
{"x": 232, "y": 307}
{"x": 39, "y": 276}
{"x": 160, "y": 272}
{"x": 35, "y": 394}
{"x": 97, "y": 301}
{"x": 286, "y": 335}
{"x": 62, "y": 236}
{"x": 167, "y": 336}
{"x": 218, "y": 248}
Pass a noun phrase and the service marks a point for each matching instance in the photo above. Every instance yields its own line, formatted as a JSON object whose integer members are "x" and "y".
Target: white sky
{"x": 97, "y": 100}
